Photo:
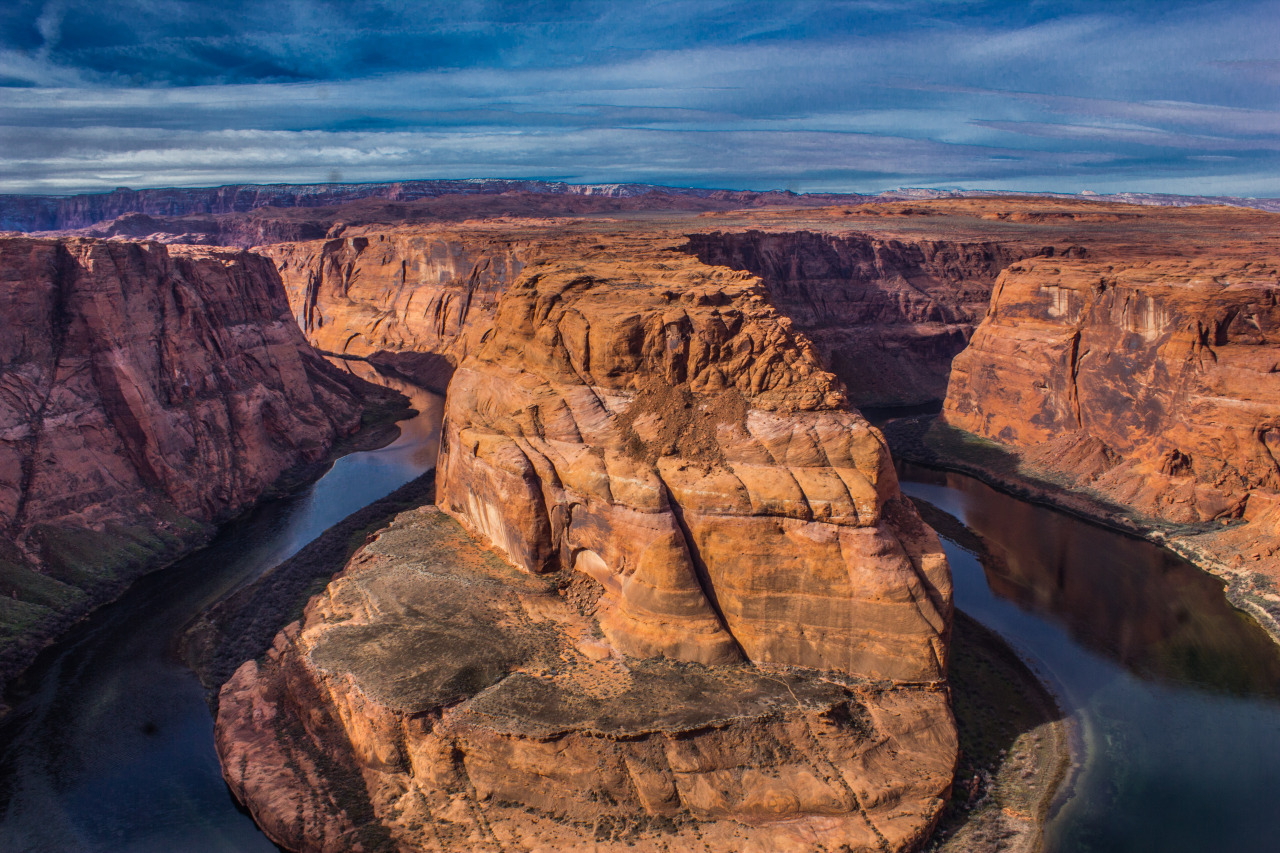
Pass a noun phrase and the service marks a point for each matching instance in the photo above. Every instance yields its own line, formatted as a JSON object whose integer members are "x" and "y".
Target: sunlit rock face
{"x": 1153, "y": 381}
{"x": 886, "y": 314}
{"x": 655, "y": 425}
{"x": 144, "y": 392}
{"x": 412, "y": 290}
{"x": 437, "y": 698}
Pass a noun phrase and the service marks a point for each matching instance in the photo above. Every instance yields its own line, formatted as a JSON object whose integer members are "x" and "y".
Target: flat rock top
{"x": 424, "y": 618}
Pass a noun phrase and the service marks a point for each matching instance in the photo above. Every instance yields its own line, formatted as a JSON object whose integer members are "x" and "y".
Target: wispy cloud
{"x": 812, "y": 95}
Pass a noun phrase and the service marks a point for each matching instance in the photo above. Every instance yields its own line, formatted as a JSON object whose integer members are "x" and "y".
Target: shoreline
{"x": 915, "y": 439}
{"x": 1016, "y": 741}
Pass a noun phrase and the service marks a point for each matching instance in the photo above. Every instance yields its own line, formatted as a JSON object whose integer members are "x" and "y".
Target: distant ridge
{"x": 58, "y": 213}
{"x": 1148, "y": 199}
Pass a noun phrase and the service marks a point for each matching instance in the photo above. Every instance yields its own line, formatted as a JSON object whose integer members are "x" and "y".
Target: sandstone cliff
{"x": 887, "y": 314}
{"x": 1150, "y": 381}
{"x": 653, "y": 423}
{"x": 144, "y": 392}
{"x": 400, "y": 290}
{"x": 728, "y": 628}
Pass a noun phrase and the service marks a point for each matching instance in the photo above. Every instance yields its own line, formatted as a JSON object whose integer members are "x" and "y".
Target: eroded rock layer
{"x": 397, "y": 290}
{"x": 653, "y": 423}
{"x": 144, "y": 391}
{"x": 435, "y": 698}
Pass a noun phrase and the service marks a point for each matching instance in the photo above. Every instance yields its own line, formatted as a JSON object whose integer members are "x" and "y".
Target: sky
{"x": 857, "y": 96}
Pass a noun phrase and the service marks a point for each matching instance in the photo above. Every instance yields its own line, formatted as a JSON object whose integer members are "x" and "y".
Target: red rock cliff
{"x": 144, "y": 391}
{"x": 1152, "y": 383}
{"x": 419, "y": 291}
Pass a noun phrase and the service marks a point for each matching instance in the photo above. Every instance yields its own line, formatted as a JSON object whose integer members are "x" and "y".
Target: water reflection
{"x": 110, "y": 744}
{"x": 1172, "y": 691}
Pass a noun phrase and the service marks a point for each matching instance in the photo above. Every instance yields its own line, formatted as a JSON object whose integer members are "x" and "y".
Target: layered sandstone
{"x": 401, "y": 290}
{"x": 653, "y": 423}
{"x": 144, "y": 392}
{"x": 887, "y": 314}
{"x": 435, "y": 698}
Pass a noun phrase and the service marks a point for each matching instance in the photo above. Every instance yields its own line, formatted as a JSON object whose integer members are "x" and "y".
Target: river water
{"x": 110, "y": 744}
{"x": 1174, "y": 694}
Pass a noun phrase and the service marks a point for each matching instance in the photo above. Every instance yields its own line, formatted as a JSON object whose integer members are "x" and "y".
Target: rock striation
{"x": 145, "y": 391}
{"x": 1151, "y": 382}
{"x": 718, "y": 623}
{"x": 420, "y": 290}
{"x": 657, "y": 426}
{"x": 1155, "y": 382}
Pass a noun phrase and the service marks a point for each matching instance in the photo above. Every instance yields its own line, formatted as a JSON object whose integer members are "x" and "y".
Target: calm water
{"x": 1175, "y": 694}
{"x": 112, "y": 750}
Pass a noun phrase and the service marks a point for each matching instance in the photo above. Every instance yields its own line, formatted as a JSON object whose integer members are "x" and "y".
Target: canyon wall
{"x": 1153, "y": 383}
{"x": 887, "y": 314}
{"x": 145, "y": 392}
{"x": 402, "y": 291}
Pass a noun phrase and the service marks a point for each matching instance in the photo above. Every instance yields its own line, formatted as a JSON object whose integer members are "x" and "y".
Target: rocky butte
{"x": 717, "y": 623}
{"x": 145, "y": 392}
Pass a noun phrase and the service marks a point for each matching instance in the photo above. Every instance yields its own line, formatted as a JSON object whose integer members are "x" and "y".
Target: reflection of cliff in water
{"x": 420, "y": 434}
{"x": 1137, "y": 603}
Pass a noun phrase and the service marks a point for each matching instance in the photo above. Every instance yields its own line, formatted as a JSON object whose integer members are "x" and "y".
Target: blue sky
{"x": 863, "y": 95}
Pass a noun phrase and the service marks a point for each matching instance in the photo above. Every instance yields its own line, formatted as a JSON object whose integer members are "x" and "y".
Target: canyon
{"x": 670, "y": 594}
{"x": 146, "y": 393}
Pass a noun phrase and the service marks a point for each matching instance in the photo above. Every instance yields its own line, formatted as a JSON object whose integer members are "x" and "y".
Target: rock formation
{"x": 144, "y": 392}
{"x": 437, "y": 699}
{"x": 725, "y": 627}
{"x": 422, "y": 290}
{"x": 655, "y": 425}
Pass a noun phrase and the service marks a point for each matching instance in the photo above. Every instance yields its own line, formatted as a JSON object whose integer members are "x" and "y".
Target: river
{"x": 110, "y": 743}
{"x": 1174, "y": 695}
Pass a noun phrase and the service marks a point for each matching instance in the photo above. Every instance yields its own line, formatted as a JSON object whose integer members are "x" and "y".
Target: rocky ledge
{"x": 436, "y": 698}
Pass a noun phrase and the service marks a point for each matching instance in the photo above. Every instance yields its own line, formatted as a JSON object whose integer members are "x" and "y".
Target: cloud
{"x": 860, "y": 95}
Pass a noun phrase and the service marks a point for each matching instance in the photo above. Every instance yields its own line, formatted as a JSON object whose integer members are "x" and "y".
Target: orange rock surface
{"x": 1147, "y": 374}
{"x": 435, "y": 698}
{"x": 645, "y": 434}
{"x": 654, "y": 424}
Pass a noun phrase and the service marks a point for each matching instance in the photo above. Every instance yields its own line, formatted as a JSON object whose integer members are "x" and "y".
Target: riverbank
{"x": 242, "y": 626}
{"x": 1015, "y": 740}
{"x": 25, "y": 631}
{"x": 925, "y": 441}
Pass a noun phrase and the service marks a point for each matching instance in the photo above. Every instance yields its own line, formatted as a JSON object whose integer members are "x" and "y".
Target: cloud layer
{"x": 1162, "y": 97}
